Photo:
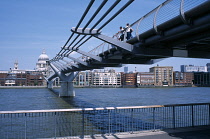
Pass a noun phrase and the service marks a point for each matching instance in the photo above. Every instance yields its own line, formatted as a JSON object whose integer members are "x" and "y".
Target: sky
{"x": 29, "y": 26}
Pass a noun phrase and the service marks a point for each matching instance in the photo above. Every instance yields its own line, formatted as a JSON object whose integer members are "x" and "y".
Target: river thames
{"x": 39, "y": 99}
{"x": 77, "y": 123}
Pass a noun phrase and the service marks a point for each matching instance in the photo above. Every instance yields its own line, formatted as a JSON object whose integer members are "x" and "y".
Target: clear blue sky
{"x": 29, "y": 26}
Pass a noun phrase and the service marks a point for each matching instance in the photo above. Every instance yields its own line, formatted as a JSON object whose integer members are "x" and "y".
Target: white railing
{"x": 108, "y": 120}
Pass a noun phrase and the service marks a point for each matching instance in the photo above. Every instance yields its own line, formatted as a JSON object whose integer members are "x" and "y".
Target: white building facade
{"x": 192, "y": 68}
{"x": 106, "y": 78}
{"x": 83, "y": 79}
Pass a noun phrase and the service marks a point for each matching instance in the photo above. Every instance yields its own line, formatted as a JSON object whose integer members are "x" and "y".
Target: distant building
{"x": 35, "y": 78}
{"x": 125, "y": 69}
{"x": 183, "y": 78}
{"x": 106, "y": 78}
{"x": 208, "y": 67}
{"x": 42, "y": 65}
{"x": 27, "y": 78}
{"x": 129, "y": 79}
{"x": 19, "y": 77}
{"x": 192, "y": 68}
{"x": 145, "y": 79}
{"x": 83, "y": 79}
{"x": 202, "y": 79}
{"x": 16, "y": 69}
{"x": 163, "y": 75}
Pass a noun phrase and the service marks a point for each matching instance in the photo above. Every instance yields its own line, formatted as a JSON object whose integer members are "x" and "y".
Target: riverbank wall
{"x": 21, "y": 87}
{"x": 37, "y": 87}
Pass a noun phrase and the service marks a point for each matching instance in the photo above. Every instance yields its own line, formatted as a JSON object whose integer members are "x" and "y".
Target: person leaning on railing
{"x": 121, "y": 32}
{"x": 129, "y": 30}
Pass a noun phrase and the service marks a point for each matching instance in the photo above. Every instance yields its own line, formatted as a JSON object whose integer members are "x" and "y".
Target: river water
{"x": 37, "y": 99}
{"x": 48, "y": 125}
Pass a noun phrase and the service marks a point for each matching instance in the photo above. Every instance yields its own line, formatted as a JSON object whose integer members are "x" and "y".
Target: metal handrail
{"x": 154, "y": 26}
{"x": 102, "y": 108}
{"x": 106, "y": 120}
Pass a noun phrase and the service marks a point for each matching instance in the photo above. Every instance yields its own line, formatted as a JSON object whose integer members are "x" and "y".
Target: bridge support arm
{"x": 79, "y": 61}
{"x": 51, "y": 77}
{"x": 117, "y": 43}
{"x": 89, "y": 55}
{"x": 53, "y": 67}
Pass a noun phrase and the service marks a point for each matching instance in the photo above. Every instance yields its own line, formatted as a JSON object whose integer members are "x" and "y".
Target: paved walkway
{"x": 179, "y": 133}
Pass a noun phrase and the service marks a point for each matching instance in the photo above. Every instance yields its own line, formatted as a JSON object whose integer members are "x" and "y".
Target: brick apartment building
{"x": 128, "y": 79}
{"x": 163, "y": 75}
{"x": 183, "y": 78}
{"x": 21, "y": 79}
{"x": 145, "y": 79}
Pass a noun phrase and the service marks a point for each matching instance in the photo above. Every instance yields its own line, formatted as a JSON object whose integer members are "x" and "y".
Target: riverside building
{"x": 106, "y": 79}
{"x": 183, "y": 78}
{"x": 202, "y": 79}
{"x": 83, "y": 79}
{"x": 129, "y": 79}
{"x": 145, "y": 79}
{"x": 19, "y": 77}
{"x": 192, "y": 68}
{"x": 163, "y": 75}
{"x": 208, "y": 67}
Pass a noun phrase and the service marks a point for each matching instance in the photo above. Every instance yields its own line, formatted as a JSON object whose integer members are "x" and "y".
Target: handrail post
{"x": 154, "y": 118}
{"x": 174, "y": 117}
{"x": 55, "y": 122}
{"x": 83, "y": 124}
{"x": 25, "y": 125}
{"x": 209, "y": 114}
{"x": 192, "y": 115}
{"x": 109, "y": 122}
{"x": 132, "y": 121}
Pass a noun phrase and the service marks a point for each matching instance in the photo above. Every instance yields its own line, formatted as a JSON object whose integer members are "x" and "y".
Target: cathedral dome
{"x": 43, "y": 56}
{"x": 41, "y": 65}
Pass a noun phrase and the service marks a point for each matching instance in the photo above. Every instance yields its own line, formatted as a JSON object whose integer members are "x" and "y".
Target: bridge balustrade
{"x": 101, "y": 49}
{"x": 109, "y": 120}
{"x": 168, "y": 14}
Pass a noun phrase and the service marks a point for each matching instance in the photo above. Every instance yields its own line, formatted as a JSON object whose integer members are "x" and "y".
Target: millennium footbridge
{"x": 176, "y": 28}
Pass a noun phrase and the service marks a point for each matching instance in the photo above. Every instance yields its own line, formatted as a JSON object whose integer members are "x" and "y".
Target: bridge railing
{"x": 107, "y": 120}
{"x": 100, "y": 49}
{"x": 169, "y": 13}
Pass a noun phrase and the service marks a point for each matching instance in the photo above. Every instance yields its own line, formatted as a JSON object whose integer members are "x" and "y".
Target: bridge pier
{"x": 50, "y": 84}
{"x": 67, "y": 89}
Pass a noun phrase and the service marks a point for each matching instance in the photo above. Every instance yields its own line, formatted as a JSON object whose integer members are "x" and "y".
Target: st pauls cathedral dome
{"x": 43, "y": 56}
{"x": 41, "y": 65}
